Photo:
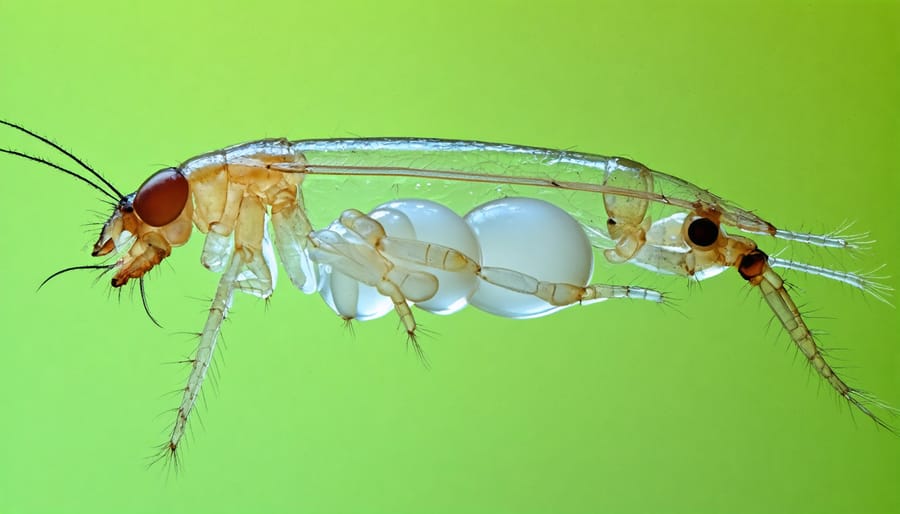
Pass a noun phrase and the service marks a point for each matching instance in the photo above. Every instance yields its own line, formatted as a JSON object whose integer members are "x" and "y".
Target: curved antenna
{"x": 64, "y": 152}
{"x": 104, "y": 267}
{"x": 60, "y": 168}
{"x": 146, "y": 305}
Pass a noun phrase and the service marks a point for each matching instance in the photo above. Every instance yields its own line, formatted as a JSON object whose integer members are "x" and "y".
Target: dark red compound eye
{"x": 753, "y": 264}
{"x": 162, "y": 197}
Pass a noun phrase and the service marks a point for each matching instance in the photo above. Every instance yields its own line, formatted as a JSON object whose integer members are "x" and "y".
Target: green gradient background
{"x": 789, "y": 108}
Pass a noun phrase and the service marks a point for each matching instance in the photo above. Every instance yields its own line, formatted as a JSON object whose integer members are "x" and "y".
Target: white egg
{"x": 532, "y": 237}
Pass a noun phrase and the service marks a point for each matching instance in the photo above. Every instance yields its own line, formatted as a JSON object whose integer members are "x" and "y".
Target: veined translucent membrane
{"x": 510, "y": 168}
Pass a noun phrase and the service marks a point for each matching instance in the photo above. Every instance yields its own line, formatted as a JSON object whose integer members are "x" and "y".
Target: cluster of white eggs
{"x": 522, "y": 239}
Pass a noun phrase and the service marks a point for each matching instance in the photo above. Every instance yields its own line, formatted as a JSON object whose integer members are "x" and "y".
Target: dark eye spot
{"x": 703, "y": 232}
{"x": 162, "y": 197}
{"x": 126, "y": 204}
{"x": 610, "y": 222}
{"x": 753, "y": 264}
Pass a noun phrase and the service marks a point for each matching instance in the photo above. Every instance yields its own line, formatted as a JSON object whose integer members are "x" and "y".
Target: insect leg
{"x": 203, "y": 355}
{"x": 627, "y": 223}
{"x": 431, "y": 255}
{"x": 561, "y": 294}
{"x": 555, "y": 293}
{"x": 251, "y": 241}
{"x": 292, "y": 229}
{"x": 350, "y": 255}
{"x": 754, "y": 267}
{"x": 249, "y": 268}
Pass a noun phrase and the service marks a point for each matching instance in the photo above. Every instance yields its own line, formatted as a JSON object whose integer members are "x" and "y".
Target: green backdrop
{"x": 789, "y": 108}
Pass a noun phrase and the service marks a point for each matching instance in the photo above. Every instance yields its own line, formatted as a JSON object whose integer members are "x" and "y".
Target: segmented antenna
{"x": 117, "y": 196}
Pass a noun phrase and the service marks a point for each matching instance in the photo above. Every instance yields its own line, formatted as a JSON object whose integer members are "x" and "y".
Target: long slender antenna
{"x": 60, "y": 168}
{"x": 146, "y": 305}
{"x": 66, "y": 153}
{"x": 104, "y": 267}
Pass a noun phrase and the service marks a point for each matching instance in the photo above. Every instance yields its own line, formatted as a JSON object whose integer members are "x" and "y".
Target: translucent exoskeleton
{"x": 517, "y": 255}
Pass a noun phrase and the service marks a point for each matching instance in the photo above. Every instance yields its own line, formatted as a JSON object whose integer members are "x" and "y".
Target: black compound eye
{"x": 703, "y": 232}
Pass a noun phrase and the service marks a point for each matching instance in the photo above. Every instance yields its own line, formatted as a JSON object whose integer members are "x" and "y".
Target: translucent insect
{"x": 514, "y": 256}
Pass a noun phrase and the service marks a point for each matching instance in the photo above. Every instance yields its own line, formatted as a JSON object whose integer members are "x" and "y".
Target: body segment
{"x": 529, "y": 260}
